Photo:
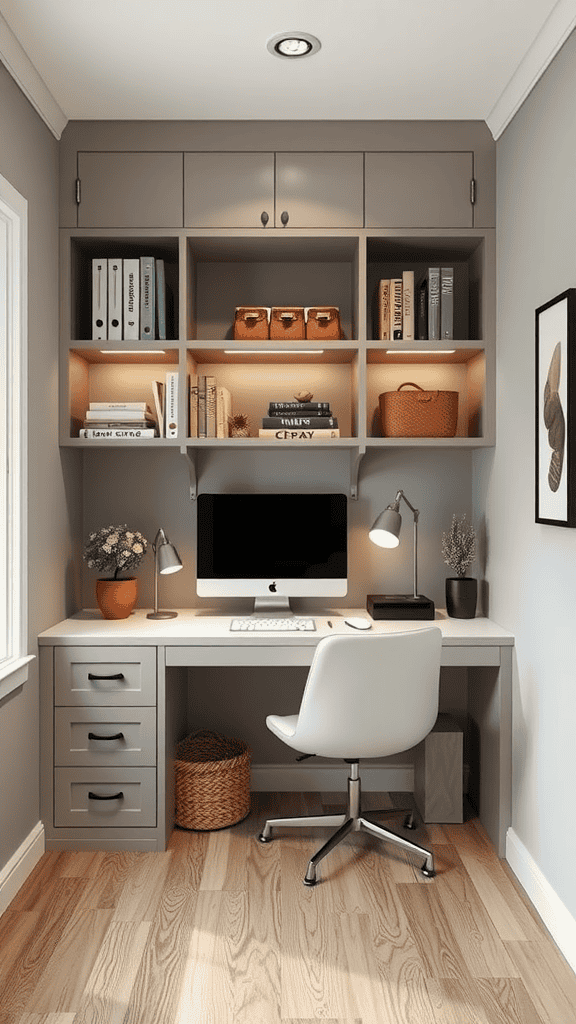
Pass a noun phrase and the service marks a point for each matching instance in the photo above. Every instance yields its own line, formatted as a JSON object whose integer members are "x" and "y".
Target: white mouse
{"x": 358, "y": 623}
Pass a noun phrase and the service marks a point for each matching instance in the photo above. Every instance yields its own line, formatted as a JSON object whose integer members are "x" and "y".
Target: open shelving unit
{"x": 209, "y": 274}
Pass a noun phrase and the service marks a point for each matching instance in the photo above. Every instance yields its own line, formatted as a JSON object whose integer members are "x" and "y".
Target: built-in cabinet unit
{"x": 240, "y": 227}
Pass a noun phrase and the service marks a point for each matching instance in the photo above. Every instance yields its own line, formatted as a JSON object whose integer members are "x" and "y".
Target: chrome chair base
{"x": 349, "y": 821}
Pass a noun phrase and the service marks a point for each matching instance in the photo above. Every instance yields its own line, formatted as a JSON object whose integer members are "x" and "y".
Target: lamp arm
{"x": 416, "y": 515}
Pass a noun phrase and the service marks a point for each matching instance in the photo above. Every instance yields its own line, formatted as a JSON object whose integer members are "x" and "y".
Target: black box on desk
{"x": 399, "y": 606}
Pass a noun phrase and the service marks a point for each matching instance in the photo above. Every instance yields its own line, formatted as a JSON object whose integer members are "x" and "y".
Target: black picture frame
{"x": 555, "y": 406}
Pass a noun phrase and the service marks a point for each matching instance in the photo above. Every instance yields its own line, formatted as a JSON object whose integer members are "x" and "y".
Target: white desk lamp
{"x": 166, "y": 560}
{"x": 386, "y": 534}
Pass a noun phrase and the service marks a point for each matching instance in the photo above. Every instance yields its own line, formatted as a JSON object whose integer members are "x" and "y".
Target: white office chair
{"x": 365, "y": 696}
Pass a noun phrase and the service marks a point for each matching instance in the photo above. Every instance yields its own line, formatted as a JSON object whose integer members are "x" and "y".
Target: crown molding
{"x": 553, "y": 34}
{"x": 19, "y": 65}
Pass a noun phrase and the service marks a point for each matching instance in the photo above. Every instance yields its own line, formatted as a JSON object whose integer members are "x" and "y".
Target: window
{"x": 13, "y": 436}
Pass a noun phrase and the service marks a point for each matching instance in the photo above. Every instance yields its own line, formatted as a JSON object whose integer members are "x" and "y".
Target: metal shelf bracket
{"x": 191, "y": 454}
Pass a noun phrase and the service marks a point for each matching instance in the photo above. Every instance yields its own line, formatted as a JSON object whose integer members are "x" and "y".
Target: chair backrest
{"x": 370, "y": 695}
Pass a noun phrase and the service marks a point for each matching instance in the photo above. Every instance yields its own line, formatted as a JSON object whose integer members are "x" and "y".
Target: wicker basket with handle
{"x": 212, "y": 781}
{"x": 418, "y": 413}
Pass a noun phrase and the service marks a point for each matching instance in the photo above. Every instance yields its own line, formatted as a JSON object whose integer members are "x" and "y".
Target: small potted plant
{"x": 114, "y": 550}
{"x": 458, "y": 550}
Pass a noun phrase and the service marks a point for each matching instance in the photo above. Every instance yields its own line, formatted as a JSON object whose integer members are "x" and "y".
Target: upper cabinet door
{"x": 130, "y": 190}
{"x": 423, "y": 190}
{"x": 228, "y": 190}
{"x": 319, "y": 190}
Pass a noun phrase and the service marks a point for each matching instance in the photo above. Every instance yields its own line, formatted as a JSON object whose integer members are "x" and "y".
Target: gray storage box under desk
{"x": 438, "y": 772}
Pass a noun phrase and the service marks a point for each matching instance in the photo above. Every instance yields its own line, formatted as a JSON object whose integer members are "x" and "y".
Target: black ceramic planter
{"x": 461, "y": 595}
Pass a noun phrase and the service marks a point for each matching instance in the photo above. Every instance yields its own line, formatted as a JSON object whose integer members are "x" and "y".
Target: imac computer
{"x": 272, "y": 547}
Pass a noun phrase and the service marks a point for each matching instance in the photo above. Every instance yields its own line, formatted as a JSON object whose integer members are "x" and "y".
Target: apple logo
{"x": 272, "y": 588}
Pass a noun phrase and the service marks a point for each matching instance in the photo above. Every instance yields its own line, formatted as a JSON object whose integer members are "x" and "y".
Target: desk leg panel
{"x": 490, "y": 707}
{"x": 172, "y": 727}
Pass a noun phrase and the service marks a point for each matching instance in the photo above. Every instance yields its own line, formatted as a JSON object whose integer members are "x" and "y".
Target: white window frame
{"x": 14, "y": 659}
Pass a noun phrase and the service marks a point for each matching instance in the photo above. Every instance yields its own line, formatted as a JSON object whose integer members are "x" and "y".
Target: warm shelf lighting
{"x": 274, "y": 352}
{"x": 420, "y": 351}
{"x": 133, "y": 352}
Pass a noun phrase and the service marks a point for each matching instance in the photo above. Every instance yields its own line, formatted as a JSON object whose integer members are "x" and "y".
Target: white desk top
{"x": 200, "y": 627}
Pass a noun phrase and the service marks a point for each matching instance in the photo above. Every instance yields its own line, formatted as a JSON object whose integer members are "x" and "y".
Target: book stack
{"x": 118, "y": 420}
{"x": 299, "y": 421}
{"x": 210, "y": 407}
{"x": 128, "y": 299}
{"x": 428, "y": 315}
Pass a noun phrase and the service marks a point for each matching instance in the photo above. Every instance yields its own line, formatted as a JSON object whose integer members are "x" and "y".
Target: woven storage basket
{"x": 418, "y": 413}
{"x": 212, "y": 781}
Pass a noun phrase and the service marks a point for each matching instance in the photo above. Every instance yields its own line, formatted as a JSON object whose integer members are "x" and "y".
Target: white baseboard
{"x": 558, "y": 920}
{"x": 302, "y": 778}
{"x": 16, "y": 871}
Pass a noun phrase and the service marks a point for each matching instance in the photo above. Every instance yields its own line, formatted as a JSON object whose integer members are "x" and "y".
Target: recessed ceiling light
{"x": 293, "y": 44}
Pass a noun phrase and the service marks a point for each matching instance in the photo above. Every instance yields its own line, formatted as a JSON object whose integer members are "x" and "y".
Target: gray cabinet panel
{"x": 104, "y": 736}
{"x": 104, "y": 797}
{"x": 130, "y": 190}
{"x": 425, "y": 190}
{"x": 228, "y": 189}
{"x": 105, "y": 676}
{"x": 320, "y": 190}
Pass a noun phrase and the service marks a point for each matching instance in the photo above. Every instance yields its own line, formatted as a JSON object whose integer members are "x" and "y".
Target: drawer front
{"x": 105, "y": 676}
{"x": 105, "y": 736}
{"x": 104, "y": 797}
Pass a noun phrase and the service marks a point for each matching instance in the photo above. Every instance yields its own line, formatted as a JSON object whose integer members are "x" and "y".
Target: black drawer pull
{"x": 95, "y": 736}
{"x": 113, "y": 796}
{"x": 118, "y": 675}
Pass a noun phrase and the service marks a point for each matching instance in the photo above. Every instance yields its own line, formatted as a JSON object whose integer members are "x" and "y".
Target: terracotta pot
{"x": 116, "y": 598}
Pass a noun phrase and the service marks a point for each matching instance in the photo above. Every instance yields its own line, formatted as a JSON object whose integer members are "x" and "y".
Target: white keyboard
{"x": 254, "y": 625}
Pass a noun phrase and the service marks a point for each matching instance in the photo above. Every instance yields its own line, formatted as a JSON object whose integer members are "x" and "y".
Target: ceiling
{"x": 207, "y": 59}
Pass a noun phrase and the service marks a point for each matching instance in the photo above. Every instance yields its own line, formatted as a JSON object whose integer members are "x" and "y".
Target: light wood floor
{"x": 221, "y": 930}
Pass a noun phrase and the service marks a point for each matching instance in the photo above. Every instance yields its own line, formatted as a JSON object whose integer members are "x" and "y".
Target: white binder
{"x": 114, "y": 300}
{"x": 171, "y": 404}
{"x": 132, "y": 300}
{"x": 100, "y": 300}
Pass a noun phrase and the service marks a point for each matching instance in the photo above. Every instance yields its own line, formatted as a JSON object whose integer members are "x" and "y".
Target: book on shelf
{"x": 223, "y": 410}
{"x": 295, "y": 408}
{"x": 114, "y": 300}
{"x": 396, "y": 309}
{"x": 161, "y": 300}
{"x": 112, "y": 424}
{"x": 119, "y": 414}
{"x": 210, "y": 407}
{"x": 447, "y": 302}
{"x": 422, "y": 309}
{"x": 116, "y": 433}
{"x": 298, "y": 434}
{"x": 147, "y": 298}
{"x": 408, "y": 305}
{"x": 100, "y": 299}
{"x": 139, "y": 406}
{"x": 131, "y": 299}
{"x": 434, "y": 303}
{"x": 295, "y": 422}
{"x": 171, "y": 404}
{"x": 193, "y": 406}
{"x": 158, "y": 394}
{"x": 384, "y": 310}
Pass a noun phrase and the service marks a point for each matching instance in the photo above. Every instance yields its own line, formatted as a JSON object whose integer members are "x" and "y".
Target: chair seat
{"x": 283, "y": 726}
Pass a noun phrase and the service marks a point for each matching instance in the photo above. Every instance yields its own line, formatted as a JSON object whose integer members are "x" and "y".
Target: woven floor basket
{"x": 212, "y": 781}
{"x": 418, "y": 413}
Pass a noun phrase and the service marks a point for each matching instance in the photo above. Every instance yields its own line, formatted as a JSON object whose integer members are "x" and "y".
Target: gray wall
{"x": 530, "y": 567}
{"x": 29, "y": 160}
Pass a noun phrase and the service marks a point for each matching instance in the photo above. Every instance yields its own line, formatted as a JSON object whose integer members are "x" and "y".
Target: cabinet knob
{"x": 284, "y": 217}
{"x": 264, "y": 218}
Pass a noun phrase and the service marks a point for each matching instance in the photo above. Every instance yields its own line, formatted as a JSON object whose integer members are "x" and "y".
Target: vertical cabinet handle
{"x": 264, "y": 218}
{"x": 284, "y": 217}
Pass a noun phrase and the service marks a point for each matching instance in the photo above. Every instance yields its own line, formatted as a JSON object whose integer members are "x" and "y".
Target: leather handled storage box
{"x": 287, "y": 323}
{"x": 418, "y": 413}
{"x": 323, "y": 323}
{"x": 252, "y": 323}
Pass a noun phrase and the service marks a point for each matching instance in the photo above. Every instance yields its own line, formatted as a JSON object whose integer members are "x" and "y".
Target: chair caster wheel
{"x": 409, "y": 822}
{"x": 310, "y": 881}
{"x": 428, "y": 872}
{"x": 264, "y": 839}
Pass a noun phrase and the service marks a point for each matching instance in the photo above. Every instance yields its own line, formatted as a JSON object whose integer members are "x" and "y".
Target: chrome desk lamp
{"x": 166, "y": 560}
{"x": 386, "y": 534}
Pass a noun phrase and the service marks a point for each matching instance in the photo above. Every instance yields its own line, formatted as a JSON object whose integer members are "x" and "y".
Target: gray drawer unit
{"x": 105, "y": 676}
{"x": 104, "y": 736}
{"x": 104, "y": 797}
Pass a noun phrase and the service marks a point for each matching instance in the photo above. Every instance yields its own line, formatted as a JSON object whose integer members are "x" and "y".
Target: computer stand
{"x": 275, "y": 605}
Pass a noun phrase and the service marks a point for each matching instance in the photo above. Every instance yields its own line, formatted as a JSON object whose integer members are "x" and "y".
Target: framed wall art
{"x": 555, "y": 410}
